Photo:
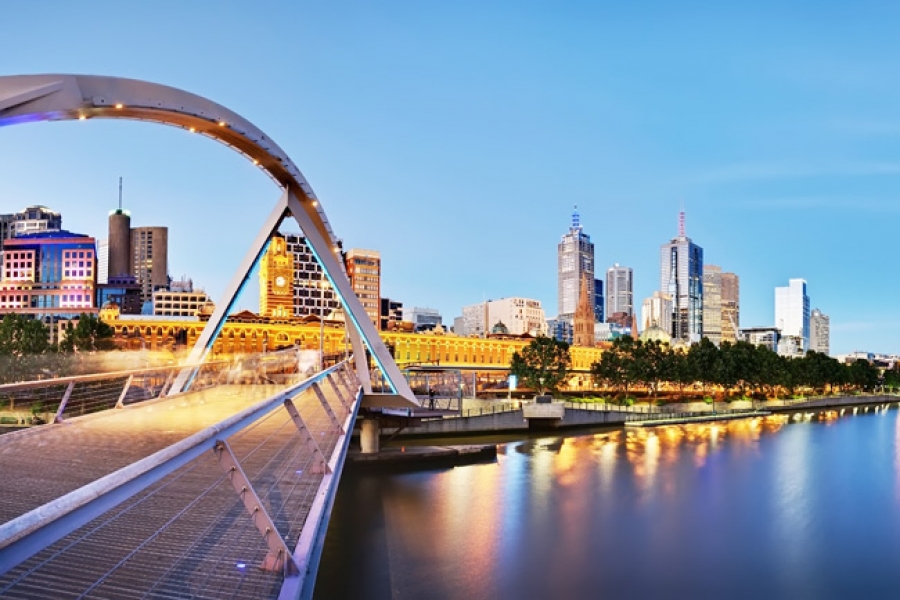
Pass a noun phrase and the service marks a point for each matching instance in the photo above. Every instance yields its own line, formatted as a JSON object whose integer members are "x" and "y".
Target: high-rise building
{"x": 599, "y": 301}
{"x": 276, "y": 273}
{"x": 583, "y": 327}
{"x": 792, "y": 312}
{"x": 819, "y": 332}
{"x": 657, "y": 312}
{"x": 118, "y": 243}
{"x": 619, "y": 295}
{"x": 312, "y": 293}
{"x": 364, "y": 271}
{"x": 731, "y": 306}
{"x": 149, "y": 259}
{"x": 49, "y": 274}
{"x": 681, "y": 278}
{"x": 519, "y": 315}
{"x": 7, "y": 227}
{"x": 712, "y": 303}
{"x": 575, "y": 260}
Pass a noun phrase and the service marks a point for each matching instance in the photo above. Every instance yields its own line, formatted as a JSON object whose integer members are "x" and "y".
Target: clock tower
{"x": 276, "y": 280}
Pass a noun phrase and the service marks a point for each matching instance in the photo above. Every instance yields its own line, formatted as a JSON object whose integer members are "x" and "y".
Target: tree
{"x": 706, "y": 362}
{"x": 543, "y": 364}
{"x": 21, "y": 335}
{"x": 616, "y": 366}
{"x": 652, "y": 364}
{"x": 89, "y": 335}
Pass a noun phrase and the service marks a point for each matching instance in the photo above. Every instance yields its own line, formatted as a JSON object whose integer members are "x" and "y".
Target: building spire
{"x": 120, "y": 193}
{"x": 681, "y": 231}
{"x": 576, "y": 219}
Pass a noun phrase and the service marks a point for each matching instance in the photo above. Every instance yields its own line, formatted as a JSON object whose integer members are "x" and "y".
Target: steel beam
{"x": 279, "y": 557}
{"x": 334, "y": 420}
{"x": 62, "y": 403}
{"x": 120, "y": 403}
{"x": 320, "y": 464}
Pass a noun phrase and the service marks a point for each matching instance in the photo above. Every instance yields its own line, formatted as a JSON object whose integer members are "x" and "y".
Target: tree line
{"x": 26, "y": 351}
{"x": 731, "y": 368}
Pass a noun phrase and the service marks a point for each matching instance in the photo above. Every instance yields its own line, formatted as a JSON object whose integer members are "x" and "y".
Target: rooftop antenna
{"x": 120, "y": 193}
{"x": 576, "y": 220}
{"x": 681, "y": 221}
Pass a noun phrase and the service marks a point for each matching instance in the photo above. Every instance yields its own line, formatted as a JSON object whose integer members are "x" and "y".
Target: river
{"x": 756, "y": 508}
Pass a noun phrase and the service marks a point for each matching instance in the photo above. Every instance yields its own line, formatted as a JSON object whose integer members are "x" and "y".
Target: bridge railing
{"x": 60, "y": 398}
{"x": 322, "y": 440}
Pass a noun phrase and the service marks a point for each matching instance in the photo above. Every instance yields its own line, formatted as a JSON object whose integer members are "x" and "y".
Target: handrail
{"x": 29, "y": 533}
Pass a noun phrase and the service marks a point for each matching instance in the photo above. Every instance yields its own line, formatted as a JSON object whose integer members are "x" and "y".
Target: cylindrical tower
{"x": 119, "y": 243}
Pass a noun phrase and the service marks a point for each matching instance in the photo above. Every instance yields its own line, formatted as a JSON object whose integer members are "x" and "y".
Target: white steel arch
{"x": 29, "y": 98}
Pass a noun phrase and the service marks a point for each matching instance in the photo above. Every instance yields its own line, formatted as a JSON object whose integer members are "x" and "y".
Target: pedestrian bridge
{"x": 198, "y": 480}
{"x": 223, "y": 491}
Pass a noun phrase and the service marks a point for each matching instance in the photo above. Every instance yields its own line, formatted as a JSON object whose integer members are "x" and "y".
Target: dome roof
{"x": 657, "y": 334}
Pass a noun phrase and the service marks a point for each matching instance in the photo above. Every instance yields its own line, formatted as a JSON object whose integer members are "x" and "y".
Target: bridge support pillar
{"x": 369, "y": 436}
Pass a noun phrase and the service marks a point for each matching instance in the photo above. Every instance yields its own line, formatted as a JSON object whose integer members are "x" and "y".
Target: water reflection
{"x": 753, "y": 508}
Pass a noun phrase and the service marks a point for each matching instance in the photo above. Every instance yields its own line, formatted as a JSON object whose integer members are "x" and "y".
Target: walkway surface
{"x": 188, "y": 535}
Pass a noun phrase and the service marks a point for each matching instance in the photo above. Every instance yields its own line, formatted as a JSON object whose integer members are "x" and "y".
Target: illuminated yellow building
{"x": 276, "y": 280}
{"x": 246, "y": 332}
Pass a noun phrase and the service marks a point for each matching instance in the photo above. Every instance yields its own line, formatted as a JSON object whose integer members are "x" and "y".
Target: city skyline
{"x": 781, "y": 143}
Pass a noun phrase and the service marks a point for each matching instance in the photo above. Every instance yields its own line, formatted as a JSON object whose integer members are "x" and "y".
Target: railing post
{"x": 327, "y": 407}
{"x": 279, "y": 557}
{"x": 320, "y": 464}
{"x": 121, "y": 401}
{"x": 62, "y": 403}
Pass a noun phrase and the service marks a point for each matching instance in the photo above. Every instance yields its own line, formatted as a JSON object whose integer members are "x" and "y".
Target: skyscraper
{"x": 118, "y": 244}
{"x": 792, "y": 312}
{"x": 681, "y": 278}
{"x": 712, "y": 303}
{"x": 575, "y": 260}
{"x": 599, "y": 301}
{"x": 819, "y": 331}
{"x": 731, "y": 307}
{"x": 312, "y": 294}
{"x": 364, "y": 271}
{"x": 619, "y": 295}
{"x": 149, "y": 259}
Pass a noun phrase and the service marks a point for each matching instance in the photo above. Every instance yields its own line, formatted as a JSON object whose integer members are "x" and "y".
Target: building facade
{"x": 730, "y": 294}
{"x": 312, "y": 294}
{"x": 819, "y": 332}
{"x": 391, "y": 313}
{"x": 49, "y": 274}
{"x": 36, "y": 219}
{"x": 792, "y": 312}
{"x": 681, "y": 278}
{"x": 619, "y": 293}
{"x": 768, "y": 337}
{"x": 520, "y": 315}
{"x": 656, "y": 311}
{"x": 364, "y": 271}
{"x": 575, "y": 261}
{"x": 599, "y": 301}
{"x": 276, "y": 272}
{"x": 180, "y": 304}
{"x": 423, "y": 319}
{"x": 712, "y": 303}
{"x": 150, "y": 259}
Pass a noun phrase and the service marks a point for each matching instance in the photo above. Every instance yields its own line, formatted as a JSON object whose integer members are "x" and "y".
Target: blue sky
{"x": 456, "y": 137}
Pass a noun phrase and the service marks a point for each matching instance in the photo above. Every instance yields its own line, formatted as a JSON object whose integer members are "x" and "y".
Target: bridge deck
{"x": 189, "y": 534}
